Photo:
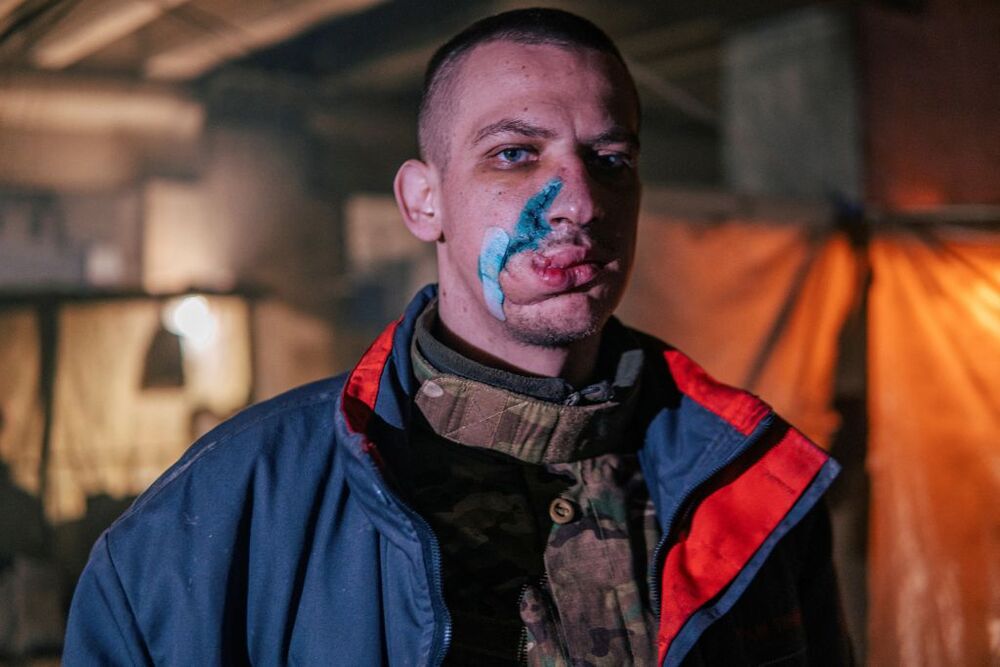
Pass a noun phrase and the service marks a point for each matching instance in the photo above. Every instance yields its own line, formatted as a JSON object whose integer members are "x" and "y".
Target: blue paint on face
{"x": 532, "y": 226}
{"x": 498, "y": 246}
{"x": 492, "y": 258}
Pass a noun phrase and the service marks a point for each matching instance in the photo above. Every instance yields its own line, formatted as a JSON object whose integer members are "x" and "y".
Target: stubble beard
{"x": 552, "y": 332}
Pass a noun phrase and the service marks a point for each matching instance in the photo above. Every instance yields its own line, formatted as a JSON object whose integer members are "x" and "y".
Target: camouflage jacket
{"x": 282, "y": 537}
{"x": 539, "y": 506}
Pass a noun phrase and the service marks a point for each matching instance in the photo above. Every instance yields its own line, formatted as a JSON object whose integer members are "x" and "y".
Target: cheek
{"x": 470, "y": 226}
{"x": 472, "y": 218}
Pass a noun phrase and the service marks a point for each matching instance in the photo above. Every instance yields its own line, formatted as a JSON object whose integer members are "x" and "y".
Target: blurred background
{"x": 196, "y": 214}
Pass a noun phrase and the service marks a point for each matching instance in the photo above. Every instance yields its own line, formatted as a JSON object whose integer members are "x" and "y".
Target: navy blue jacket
{"x": 278, "y": 538}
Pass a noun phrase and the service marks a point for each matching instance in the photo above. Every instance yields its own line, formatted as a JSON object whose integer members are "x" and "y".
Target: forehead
{"x": 504, "y": 78}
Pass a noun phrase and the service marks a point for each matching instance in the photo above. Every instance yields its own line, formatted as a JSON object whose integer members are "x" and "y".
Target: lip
{"x": 562, "y": 257}
{"x": 566, "y": 267}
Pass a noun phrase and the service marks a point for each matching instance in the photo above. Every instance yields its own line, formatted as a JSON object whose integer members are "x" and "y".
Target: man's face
{"x": 540, "y": 192}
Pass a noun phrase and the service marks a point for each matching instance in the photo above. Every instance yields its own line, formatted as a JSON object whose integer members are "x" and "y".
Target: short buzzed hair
{"x": 524, "y": 26}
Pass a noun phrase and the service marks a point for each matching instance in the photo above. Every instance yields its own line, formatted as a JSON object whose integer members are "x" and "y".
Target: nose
{"x": 576, "y": 203}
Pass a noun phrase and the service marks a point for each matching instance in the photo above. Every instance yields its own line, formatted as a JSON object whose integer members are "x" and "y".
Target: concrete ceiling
{"x": 171, "y": 40}
{"x": 347, "y": 71}
{"x": 376, "y": 47}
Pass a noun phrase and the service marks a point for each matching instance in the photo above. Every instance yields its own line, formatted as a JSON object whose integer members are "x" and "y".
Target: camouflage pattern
{"x": 486, "y": 465}
{"x": 597, "y": 564}
{"x": 528, "y": 429}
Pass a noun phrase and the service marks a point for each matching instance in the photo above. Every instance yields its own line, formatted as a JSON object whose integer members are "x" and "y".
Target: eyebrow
{"x": 616, "y": 135}
{"x": 512, "y": 126}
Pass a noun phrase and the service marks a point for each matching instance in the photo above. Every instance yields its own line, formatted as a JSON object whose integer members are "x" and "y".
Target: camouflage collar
{"x": 619, "y": 364}
{"x": 474, "y": 413}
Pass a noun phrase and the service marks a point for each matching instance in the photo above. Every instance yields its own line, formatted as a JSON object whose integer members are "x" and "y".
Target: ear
{"x": 416, "y": 188}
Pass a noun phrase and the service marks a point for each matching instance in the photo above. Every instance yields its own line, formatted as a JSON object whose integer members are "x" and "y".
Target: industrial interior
{"x": 196, "y": 214}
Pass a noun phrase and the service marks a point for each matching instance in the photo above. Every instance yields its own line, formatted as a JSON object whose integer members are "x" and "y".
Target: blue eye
{"x": 514, "y": 155}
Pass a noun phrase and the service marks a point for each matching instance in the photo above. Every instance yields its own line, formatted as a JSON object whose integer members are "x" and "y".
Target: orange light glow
{"x": 915, "y": 197}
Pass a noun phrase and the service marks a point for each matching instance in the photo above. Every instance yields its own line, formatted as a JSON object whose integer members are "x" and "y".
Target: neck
{"x": 574, "y": 363}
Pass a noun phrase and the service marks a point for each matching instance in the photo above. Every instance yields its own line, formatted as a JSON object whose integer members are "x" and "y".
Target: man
{"x": 509, "y": 475}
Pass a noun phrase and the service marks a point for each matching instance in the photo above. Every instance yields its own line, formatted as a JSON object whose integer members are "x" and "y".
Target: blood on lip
{"x": 563, "y": 258}
{"x": 543, "y": 263}
{"x": 566, "y": 270}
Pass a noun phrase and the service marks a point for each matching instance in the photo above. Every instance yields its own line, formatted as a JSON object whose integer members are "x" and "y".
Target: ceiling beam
{"x": 670, "y": 38}
{"x": 8, "y": 6}
{"x": 392, "y": 72}
{"x": 248, "y": 33}
{"x": 91, "y": 26}
{"x": 59, "y": 103}
{"x": 672, "y": 95}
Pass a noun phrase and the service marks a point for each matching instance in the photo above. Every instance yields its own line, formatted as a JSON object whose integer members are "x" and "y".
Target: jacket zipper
{"x": 522, "y": 645}
{"x": 522, "y": 642}
{"x": 442, "y": 649}
{"x": 656, "y": 569}
{"x": 439, "y": 647}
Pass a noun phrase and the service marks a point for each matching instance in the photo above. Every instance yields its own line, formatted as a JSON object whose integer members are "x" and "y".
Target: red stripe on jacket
{"x": 728, "y": 527}
{"x": 741, "y": 409}
{"x": 361, "y": 390}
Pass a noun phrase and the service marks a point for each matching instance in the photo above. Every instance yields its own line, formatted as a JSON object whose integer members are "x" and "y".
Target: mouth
{"x": 566, "y": 268}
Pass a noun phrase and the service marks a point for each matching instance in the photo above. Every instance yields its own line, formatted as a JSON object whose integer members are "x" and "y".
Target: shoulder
{"x": 696, "y": 421}
{"x": 252, "y": 496}
{"x": 283, "y": 432}
{"x": 683, "y": 378}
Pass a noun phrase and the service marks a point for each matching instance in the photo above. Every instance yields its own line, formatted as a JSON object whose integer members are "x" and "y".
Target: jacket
{"x": 278, "y": 538}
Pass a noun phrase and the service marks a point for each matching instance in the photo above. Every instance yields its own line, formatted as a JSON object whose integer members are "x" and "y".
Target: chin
{"x": 559, "y": 321}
